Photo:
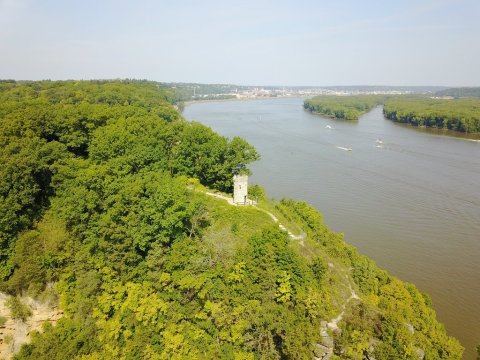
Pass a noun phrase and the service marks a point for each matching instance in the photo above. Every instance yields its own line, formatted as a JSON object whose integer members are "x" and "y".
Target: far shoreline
{"x": 190, "y": 102}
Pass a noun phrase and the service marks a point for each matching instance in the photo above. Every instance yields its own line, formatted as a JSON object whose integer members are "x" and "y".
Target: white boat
{"x": 379, "y": 146}
{"x": 343, "y": 148}
{"x": 379, "y": 141}
{"x": 328, "y": 127}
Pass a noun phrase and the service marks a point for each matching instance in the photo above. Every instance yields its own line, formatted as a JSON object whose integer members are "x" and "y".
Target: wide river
{"x": 408, "y": 199}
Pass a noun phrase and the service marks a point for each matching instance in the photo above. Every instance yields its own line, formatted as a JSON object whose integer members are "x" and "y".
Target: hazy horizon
{"x": 253, "y": 43}
{"x": 235, "y": 84}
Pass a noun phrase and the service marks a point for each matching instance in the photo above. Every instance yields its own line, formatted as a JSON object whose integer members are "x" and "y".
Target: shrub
{"x": 18, "y": 310}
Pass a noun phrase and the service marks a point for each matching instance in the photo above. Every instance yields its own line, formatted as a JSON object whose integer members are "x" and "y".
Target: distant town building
{"x": 240, "y": 189}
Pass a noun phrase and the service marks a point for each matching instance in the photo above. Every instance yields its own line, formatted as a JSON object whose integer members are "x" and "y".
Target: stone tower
{"x": 240, "y": 189}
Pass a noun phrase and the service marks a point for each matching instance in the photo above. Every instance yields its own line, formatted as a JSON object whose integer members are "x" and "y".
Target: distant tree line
{"x": 452, "y": 114}
{"x": 462, "y": 114}
{"x": 461, "y": 92}
{"x": 343, "y": 107}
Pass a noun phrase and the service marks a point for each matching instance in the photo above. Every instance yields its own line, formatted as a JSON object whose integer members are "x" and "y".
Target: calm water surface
{"x": 412, "y": 204}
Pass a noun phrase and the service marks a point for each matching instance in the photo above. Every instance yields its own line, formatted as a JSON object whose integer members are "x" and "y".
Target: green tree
{"x": 256, "y": 192}
{"x": 284, "y": 288}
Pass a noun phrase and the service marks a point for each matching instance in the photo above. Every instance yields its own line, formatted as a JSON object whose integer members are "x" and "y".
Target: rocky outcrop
{"x": 15, "y": 332}
{"x": 324, "y": 349}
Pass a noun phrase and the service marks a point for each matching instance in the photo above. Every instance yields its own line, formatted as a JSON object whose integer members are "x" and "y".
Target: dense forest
{"x": 462, "y": 92}
{"x": 104, "y": 210}
{"x": 343, "y": 107}
{"x": 452, "y": 114}
{"x": 462, "y": 114}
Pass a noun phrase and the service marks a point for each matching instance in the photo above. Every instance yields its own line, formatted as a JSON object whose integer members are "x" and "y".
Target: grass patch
{"x": 269, "y": 205}
{"x": 231, "y": 226}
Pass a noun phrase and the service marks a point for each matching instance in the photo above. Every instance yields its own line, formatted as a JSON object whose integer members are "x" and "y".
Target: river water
{"x": 408, "y": 199}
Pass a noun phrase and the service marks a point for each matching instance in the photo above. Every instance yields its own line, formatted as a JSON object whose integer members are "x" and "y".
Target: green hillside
{"x": 105, "y": 193}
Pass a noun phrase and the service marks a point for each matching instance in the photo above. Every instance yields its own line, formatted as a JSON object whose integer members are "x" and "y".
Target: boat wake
{"x": 343, "y": 148}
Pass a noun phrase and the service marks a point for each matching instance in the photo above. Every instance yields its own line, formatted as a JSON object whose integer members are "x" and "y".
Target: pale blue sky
{"x": 389, "y": 42}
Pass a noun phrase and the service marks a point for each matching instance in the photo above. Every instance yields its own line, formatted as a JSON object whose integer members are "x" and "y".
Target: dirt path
{"x": 333, "y": 324}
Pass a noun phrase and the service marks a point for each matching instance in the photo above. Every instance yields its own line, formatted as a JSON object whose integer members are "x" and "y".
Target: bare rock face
{"x": 15, "y": 332}
{"x": 326, "y": 339}
{"x": 322, "y": 352}
{"x": 420, "y": 353}
{"x": 324, "y": 349}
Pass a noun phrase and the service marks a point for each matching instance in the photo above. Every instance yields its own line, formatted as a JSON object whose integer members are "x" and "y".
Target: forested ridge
{"x": 102, "y": 195}
{"x": 349, "y": 107}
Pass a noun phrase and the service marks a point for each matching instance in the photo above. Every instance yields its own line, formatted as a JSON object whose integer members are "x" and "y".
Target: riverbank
{"x": 473, "y": 137}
